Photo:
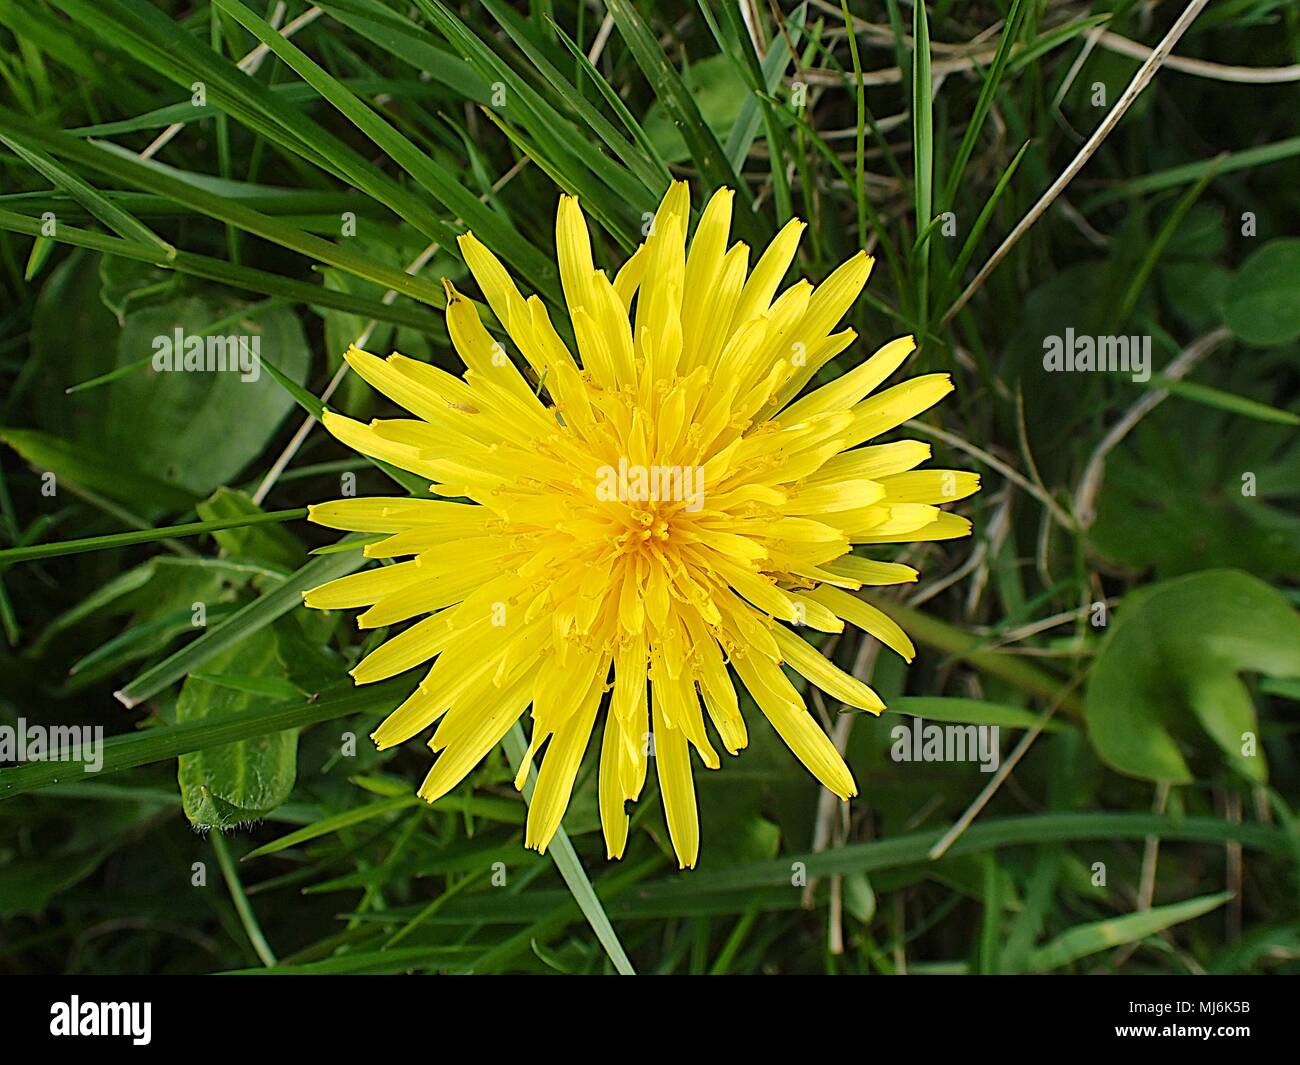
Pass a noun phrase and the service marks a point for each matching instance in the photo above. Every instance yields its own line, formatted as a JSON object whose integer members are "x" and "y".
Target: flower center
{"x": 648, "y": 526}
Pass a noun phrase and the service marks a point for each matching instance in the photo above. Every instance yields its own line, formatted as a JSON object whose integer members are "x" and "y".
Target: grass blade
{"x": 570, "y": 866}
{"x": 246, "y": 278}
{"x": 165, "y": 743}
{"x": 118, "y": 220}
{"x": 1097, "y": 936}
{"x": 144, "y": 536}
{"x": 439, "y": 182}
{"x": 992, "y": 80}
{"x": 1221, "y": 400}
{"x": 248, "y": 619}
{"x": 127, "y": 168}
{"x": 668, "y": 85}
{"x": 922, "y": 161}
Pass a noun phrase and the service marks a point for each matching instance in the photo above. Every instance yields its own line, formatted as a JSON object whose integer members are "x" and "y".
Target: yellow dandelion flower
{"x": 656, "y": 510}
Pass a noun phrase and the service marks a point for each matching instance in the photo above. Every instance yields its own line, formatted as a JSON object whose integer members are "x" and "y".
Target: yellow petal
{"x": 492, "y": 723}
{"x": 404, "y": 651}
{"x": 613, "y": 814}
{"x": 768, "y": 272}
{"x": 559, "y": 768}
{"x": 673, "y": 765}
{"x": 930, "y": 486}
{"x": 362, "y": 589}
{"x": 866, "y": 617}
{"x": 850, "y": 388}
{"x": 810, "y": 663}
{"x": 945, "y": 526}
{"x": 868, "y": 571}
{"x": 781, "y": 704}
{"x": 873, "y": 463}
{"x": 894, "y": 406}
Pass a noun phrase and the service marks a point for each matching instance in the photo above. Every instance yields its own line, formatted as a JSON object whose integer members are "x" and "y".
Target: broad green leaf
{"x": 27, "y": 885}
{"x": 1167, "y": 673}
{"x": 223, "y": 787}
{"x": 1222, "y": 498}
{"x": 719, "y": 92}
{"x": 198, "y": 429}
{"x": 1263, "y": 302}
{"x": 268, "y": 686}
{"x": 92, "y": 468}
{"x": 124, "y": 281}
{"x": 268, "y": 543}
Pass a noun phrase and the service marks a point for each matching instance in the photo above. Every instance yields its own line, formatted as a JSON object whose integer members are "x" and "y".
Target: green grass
{"x": 1126, "y": 611}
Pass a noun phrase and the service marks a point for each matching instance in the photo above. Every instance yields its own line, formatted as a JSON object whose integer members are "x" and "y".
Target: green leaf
{"x": 198, "y": 429}
{"x": 1263, "y": 306}
{"x": 984, "y": 835}
{"x": 154, "y": 38}
{"x": 222, "y": 787}
{"x": 411, "y": 43}
{"x": 1188, "y": 508}
{"x": 570, "y": 865}
{"x": 719, "y": 92}
{"x": 922, "y": 159}
{"x": 327, "y": 825}
{"x": 440, "y": 183}
{"x": 266, "y": 543}
{"x": 639, "y": 187}
{"x": 1167, "y": 673}
{"x": 1246, "y": 159}
{"x": 154, "y": 178}
{"x": 26, "y": 886}
{"x": 241, "y": 277}
{"x": 413, "y": 483}
{"x": 634, "y": 128}
{"x": 94, "y": 469}
{"x": 271, "y": 687}
{"x": 988, "y": 91}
